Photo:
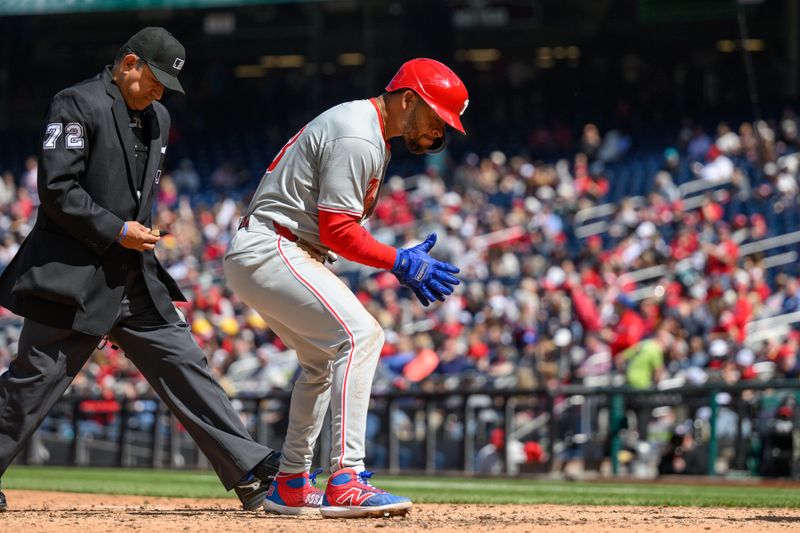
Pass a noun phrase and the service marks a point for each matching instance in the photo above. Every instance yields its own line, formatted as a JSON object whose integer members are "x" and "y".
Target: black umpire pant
{"x": 165, "y": 353}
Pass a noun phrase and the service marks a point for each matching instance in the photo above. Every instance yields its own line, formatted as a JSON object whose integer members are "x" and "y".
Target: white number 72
{"x": 74, "y": 139}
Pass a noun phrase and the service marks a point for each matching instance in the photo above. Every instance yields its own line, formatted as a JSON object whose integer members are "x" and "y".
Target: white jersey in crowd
{"x": 336, "y": 163}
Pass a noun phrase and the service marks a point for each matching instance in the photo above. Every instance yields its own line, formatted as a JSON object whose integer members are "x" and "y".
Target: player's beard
{"x": 414, "y": 146}
{"x": 412, "y": 136}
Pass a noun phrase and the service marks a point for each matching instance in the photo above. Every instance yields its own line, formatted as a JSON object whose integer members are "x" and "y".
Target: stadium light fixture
{"x": 751, "y": 45}
{"x": 544, "y": 57}
{"x": 726, "y": 46}
{"x": 478, "y": 55}
{"x": 754, "y": 45}
{"x": 249, "y": 71}
{"x": 283, "y": 61}
{"x": 352, "y": 59}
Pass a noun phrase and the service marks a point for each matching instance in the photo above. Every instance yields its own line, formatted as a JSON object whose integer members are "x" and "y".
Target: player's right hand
{"x": 137, "y": 237}
{"x": 429, "y": 278}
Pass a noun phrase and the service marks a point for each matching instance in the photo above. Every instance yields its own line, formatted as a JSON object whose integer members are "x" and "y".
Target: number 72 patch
{"x": 73, "y": 140}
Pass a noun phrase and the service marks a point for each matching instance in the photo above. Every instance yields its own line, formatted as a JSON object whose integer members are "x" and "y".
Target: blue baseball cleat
{"x": 293, "y": 494}
{"x": 349, "y": 494}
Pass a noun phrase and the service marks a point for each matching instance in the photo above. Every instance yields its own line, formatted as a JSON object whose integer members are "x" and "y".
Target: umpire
{"x": 88, "y": 269}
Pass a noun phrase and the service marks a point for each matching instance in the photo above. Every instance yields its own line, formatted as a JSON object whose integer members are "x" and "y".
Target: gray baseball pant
{"x": 337, "y": 341}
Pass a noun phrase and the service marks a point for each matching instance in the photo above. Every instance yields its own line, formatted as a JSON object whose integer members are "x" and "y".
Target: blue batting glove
{"x": 427, "y": 277}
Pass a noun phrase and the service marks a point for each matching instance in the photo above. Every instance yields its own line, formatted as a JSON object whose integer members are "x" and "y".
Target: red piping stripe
{"x": 341, "y": 323}
{"x": 338, "y": 210}
{"x": 380, "y": 121}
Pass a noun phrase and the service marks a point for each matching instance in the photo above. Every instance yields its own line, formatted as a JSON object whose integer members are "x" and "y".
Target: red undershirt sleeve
{"x": 344, "y": 235}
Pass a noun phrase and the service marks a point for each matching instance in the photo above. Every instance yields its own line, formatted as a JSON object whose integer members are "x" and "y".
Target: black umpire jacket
{"x": 70, "y": 272}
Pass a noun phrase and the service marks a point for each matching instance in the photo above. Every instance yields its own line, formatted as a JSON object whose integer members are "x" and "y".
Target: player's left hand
{"x": 429, "y": 278}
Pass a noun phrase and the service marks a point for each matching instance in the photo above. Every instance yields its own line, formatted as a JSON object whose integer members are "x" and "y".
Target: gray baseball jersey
{"x": 336, "y": 163}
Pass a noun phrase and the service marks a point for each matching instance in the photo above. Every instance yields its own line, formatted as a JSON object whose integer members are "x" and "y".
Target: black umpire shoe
{"x": 252, "y": 492}
{"x": 3, "y": 504}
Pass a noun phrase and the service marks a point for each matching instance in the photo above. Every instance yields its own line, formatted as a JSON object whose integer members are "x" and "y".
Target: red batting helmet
{"x": 435, "y": 83}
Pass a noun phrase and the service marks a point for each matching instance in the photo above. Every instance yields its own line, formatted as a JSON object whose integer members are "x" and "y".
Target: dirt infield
{"x": 33, "y": 511}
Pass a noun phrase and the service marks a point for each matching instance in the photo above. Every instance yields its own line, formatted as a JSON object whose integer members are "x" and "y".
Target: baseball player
{"x": 312, "y": 201}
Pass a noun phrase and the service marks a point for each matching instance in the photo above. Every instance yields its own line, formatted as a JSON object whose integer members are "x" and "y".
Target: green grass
{"x": 421, "y": 489}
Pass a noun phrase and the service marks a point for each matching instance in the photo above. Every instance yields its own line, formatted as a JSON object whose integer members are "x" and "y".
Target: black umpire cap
{"x": 163, "y": 54}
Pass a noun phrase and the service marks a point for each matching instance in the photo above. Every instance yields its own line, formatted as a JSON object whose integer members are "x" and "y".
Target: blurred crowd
{"x": 592, "y": 270}
{"x": 657, "y": 293}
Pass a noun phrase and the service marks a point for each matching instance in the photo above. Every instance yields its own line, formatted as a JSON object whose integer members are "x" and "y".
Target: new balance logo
{"x": 354, "y": 496}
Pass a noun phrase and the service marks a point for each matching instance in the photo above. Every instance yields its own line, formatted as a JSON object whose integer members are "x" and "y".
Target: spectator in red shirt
{"x": 722, "y": 257}
{"x": 585, "y": 183}
{"x": 629, "y": 329}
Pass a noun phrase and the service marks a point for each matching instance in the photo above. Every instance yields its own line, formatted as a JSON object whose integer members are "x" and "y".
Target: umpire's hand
{"x": 137, "y": 237}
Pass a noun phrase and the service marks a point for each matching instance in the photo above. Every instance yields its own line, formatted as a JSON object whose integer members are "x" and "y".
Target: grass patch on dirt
{"x": 439, "y": 489}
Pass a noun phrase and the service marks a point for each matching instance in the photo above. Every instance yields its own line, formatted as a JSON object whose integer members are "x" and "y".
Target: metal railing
{"x": 444, "y": 431}
{"x": 693, "y": 194}
{"x": 770, "y": 243}
{"x": 700, "y": 186}
{"x": 745, "y": 250}
{"x": 604, "y": 210}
